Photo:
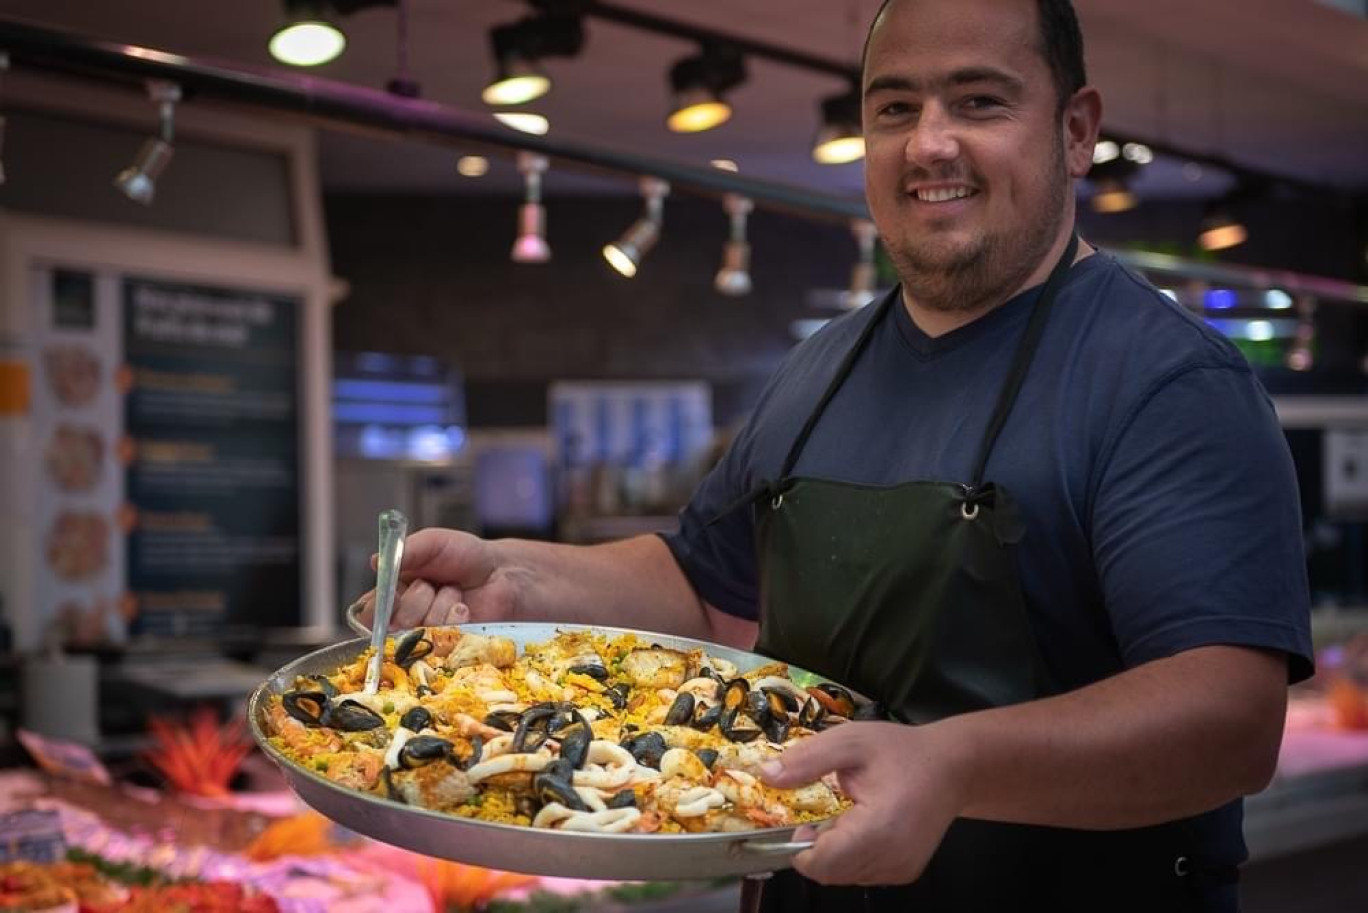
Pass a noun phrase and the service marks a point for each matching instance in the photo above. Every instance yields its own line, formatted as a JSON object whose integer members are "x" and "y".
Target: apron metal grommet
{"x": 969, "y": 511}
{"x": 776, "y": 502}
{"x": 1180, "y": 866}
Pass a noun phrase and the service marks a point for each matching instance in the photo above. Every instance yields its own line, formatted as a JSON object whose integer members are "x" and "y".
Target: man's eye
{"x": 982, "y": 103}
{"x": 894, "y": 109}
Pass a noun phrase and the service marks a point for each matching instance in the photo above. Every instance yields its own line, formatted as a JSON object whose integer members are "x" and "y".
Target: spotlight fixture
{"x": 1221, "y": 229}
{"x": 734, "y": 276}
{"x": 472, "y": 166}
{"x": 518, "y": 49}
{"x": 523, "y": 122}
{"x": 626, "y": 254}
{"x": 865, "y": 275}
{"x": 698, "y": 84}
{"x": 531, "y": 246}
{"x": 139, "y": 181}
{"x": 840, "y": 138}
{"x": 310, "y": 36}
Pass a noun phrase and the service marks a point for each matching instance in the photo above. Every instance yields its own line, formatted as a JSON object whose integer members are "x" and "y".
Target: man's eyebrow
{"x": 965, "y": 76}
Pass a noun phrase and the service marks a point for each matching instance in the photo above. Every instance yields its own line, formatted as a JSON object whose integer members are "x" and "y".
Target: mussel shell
{"x": 324, "y": 685}
{"x": 413, "y": 646}
{"x": 574, "y": 746}
{"x": 470, "y": 760}
{"x": 834, "y": 698}
{"x": 647, "y": 748}
{"x": 422, "y": 750}
{"x": 309, "y": 707}
{"x": 739, "y": 727}
{"x": 781, "y": 702}
{"x": 525, "y": 806}
{"x": 624, "y": 799}
{"x": 417, "y": 719}
{"x": 758, "y": 706}
{"x": 531, "y": 731}
{"x": 734, "y": 697}
{"x": 507, "y": 720}
{"x": 618, "y": 694}
{"x": 681, "y": 711}
{"x": 707, "y": 755}
{"x": 554, "y": 785}
{"x": 776, "y": 728}
{"x": 387, "y": 787}
{"x": 350, "y": 716}
{"x": 812, "y": 714}
{"x": 709, "y": 718}
{"x": 593, "y": 670}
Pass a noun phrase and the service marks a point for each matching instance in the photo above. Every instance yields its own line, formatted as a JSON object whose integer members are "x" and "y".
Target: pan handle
{"x": 354, "y": 620}
{"x": 764, "y": 848}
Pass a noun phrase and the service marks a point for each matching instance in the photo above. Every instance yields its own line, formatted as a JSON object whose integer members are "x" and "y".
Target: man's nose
{"x": 933, "y": 139}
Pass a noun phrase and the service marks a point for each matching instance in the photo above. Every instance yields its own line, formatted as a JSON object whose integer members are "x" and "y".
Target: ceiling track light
{"x": 840, "y": 138}
{"x": 310, "y": 35}
{"x": 734, "y": 277}
{"x": 698, "y": 86}
{"x": 138, "y": 181}
{"x": 1221, "y": 229}
{"x": 531, "y": 246}
{"x": 518, "y": 49}
{"x": 626, "y": 254}
{"x": 1110, "y": 177}
{"x": 864, "y": 276}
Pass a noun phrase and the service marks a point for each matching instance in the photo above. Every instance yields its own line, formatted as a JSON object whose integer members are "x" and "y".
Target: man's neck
{"x": 937, "y": 321}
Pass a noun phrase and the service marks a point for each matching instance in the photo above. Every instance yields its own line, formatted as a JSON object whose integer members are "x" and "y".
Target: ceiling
{"x": 1276, "y": 85}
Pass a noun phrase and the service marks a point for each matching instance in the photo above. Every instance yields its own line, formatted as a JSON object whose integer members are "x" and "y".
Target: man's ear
{"x": 1082, "y": 120}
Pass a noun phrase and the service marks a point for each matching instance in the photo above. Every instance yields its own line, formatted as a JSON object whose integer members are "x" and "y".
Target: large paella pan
{"x": 555, "y": 749}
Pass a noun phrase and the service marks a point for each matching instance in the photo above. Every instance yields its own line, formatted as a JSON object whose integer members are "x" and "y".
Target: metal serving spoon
{"x": 393, "y": 527}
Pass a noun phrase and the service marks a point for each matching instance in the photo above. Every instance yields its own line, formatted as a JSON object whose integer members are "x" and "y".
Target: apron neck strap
{"x": 1022, "y": 362}
{"x": 846, "y": 364}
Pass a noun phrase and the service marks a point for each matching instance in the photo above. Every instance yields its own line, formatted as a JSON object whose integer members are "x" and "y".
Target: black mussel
{"x": 593, "y": 670}
{"x": 574, "y": 743}
{"x": 525, "y": 806}
{"x": 412, "y": 647}
{"x": 349, "y": 716}
{"x": 628, "y": 728}
{"x": 709, "y": 718}
{"x": 387, "y": 788}
{"x": 309, "y": 707}
{"x": 554, "y": 784}
{"x": 624, "y": 799}
{"x": 834, "y": 698}
{"x": 618, "y": 694}
{"x": 781, "y": 702}
{"x": 561, "y": 706}
{"x": 734, "y": 698}
{"x": 507, "y": 720}
{"x": 417, "y": 719}
{"x": 531, "y": 731}
{"x": 710, "y": 672}
{"x": 422, "y": 750}
{"x": 776, "y": 728}
{"x": 324, "y": 685}
{"x": 681, "y": 711}
{"x": 707, "y": 755}
{"x": 812, "y": 715}
{"x": 758, "y": 706}
{"x": 739, "y": 727}
{"x": 423, "y": 691}
{"x": 870, "y": 710}
{"x": 647, "y": 748}
{"x": 471, "y": 759}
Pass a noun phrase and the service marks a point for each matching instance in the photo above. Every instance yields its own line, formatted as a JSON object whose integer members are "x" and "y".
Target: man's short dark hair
{"x": 1061, "y": 44}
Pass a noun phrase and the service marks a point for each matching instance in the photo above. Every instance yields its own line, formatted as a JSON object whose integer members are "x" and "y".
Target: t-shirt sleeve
{"x": 1197, "y": 523}
{"x": 714, "y": 543}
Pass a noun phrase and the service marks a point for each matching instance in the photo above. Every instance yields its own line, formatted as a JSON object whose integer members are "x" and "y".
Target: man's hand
{"x": 905, "y": 783}
{"x": 447, "y": 577}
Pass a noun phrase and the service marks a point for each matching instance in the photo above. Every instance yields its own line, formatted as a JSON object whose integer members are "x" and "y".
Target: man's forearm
{"x": 1165, "y": 740}
{"x": 632, "y": 583}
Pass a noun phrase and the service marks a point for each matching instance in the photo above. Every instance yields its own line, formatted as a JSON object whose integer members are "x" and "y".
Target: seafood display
{"x": 585, "y": 732}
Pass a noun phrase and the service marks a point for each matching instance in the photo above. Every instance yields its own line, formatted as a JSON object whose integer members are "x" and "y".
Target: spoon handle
{"x": 393, "y": 527}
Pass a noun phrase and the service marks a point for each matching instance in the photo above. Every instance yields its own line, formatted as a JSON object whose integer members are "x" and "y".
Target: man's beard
{"x": 986, "y": 272}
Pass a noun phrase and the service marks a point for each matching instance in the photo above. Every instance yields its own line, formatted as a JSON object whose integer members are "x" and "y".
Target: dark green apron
{"x": 909, "y": 594}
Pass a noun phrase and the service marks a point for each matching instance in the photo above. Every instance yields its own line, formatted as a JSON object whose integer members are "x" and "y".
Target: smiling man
{"x": 1043, "y": 515}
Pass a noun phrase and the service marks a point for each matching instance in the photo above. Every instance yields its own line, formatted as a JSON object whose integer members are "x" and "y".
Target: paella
{"x": 586, "y": 731}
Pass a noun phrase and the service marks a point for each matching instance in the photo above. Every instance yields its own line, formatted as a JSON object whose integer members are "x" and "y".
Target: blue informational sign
{"x": 212, "y": 450}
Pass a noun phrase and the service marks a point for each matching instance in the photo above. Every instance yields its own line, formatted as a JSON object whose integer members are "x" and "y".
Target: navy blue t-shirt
{"x": 1157, "y": 490}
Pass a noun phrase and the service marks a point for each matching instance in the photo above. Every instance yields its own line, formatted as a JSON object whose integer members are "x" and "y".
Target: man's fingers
{"x": 448, "y": 608}
{"x": 411, "y": 609}
{"x": 815, "y": 756}
{"x": 842, "y": 852}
